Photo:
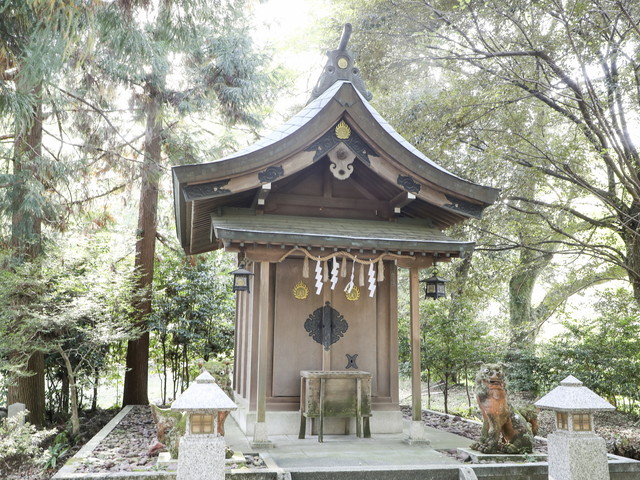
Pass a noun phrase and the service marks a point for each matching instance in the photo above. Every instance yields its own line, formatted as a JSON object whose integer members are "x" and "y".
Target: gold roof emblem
{"x": 342, "y": 130}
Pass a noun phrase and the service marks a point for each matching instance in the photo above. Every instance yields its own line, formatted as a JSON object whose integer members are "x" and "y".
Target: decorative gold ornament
{"x": 342, "y": 130}
{"x": 343, "y": 62}
{"x": 354, "y": 294}
{"x": 300, "y": 291}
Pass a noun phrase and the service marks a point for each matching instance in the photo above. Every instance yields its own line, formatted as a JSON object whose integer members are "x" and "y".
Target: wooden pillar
{"x": 416, "y": 388}
{"x": 417, "y": 431}
{"x": 260, "y": 436}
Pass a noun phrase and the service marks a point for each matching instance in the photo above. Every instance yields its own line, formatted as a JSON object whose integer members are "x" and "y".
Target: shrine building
{"x": 324, "y": 211}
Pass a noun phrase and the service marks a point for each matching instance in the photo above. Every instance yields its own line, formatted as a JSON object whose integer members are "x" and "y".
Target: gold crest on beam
{"x": 300, "y": 291}
{"x": 342, "y": 130}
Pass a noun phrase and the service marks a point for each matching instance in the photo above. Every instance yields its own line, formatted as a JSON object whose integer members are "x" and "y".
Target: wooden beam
{"x": 418, "y": 261}
{"x": 260, "y": 198}
{"x": 364, "y": 191}
{"x": 401, "y": 200}
{"x": 327, "y": 202}
{"x": 263, "y": 194}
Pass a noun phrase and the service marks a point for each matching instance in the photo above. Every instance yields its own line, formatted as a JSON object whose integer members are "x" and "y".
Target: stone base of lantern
{"x": 577, "y": 456}
{"x": 201, "y": 457}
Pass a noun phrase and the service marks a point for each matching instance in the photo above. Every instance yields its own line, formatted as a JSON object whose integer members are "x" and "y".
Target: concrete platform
{"x": 289, "y": 452}
{"x": 390, "y": 457}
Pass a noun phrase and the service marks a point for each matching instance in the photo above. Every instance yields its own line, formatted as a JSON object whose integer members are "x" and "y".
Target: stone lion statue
{"x": 504, "y": 429}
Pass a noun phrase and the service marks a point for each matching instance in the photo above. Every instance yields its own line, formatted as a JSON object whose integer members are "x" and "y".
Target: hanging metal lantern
{"x": 434, "y": 286}
{"x": 241, "y": 279}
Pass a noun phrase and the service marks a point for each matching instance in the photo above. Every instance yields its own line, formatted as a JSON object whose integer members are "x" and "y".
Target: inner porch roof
{"x": 331, "y": 232}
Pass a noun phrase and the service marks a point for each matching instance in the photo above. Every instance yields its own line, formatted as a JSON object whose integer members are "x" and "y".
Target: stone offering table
{"x": 335, "y": 393}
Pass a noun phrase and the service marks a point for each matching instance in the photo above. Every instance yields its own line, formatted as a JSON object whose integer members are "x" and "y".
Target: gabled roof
{"x": 232, "y": 181}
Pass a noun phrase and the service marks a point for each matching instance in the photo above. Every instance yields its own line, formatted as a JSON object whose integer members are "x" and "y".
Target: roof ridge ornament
{"x": 340, "y": 66}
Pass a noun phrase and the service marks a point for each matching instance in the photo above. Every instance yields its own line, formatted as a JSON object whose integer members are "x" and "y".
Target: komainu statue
{"x": 504, "y": 430}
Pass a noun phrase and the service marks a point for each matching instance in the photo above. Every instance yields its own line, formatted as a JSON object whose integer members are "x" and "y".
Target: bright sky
{"x": 292, "y": 29}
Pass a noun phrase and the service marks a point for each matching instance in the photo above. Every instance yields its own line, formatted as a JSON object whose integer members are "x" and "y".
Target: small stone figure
{"x": 504, "y": 430}
{"x": 171, "y": 426}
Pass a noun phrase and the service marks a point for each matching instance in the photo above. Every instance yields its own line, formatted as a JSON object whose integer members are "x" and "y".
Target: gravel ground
{"x": 459, "y": 426}
{"x": 126, "y": 448}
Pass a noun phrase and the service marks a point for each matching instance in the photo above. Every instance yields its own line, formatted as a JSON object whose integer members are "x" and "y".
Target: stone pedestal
{"x": 201, "y": 457}
{"x": 417, "y": 434}
{"x": 260, "y": 436}
{"x": 577, "y": 456}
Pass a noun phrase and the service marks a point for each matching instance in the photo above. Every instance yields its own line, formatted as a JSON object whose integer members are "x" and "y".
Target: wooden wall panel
{"x": 361, "y": 336}
{"x": 293, "y": 349}
{"x": 372, "y": 334}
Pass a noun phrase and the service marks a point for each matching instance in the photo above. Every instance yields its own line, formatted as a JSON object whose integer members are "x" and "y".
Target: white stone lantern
{"x": 202, "y": 448}
{"x": 575, "y": 451}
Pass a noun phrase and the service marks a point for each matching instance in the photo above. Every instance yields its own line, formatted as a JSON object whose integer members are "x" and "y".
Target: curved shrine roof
{"x": 395, "y": 171}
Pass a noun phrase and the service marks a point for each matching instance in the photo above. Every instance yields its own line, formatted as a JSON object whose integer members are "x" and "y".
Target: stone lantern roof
{"x": 572, "y": 395}
{"x": 203, "y": 395}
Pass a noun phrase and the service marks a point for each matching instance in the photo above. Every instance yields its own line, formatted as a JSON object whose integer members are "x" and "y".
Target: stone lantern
{"x": 575, "y": 451}
{"x": 202, "y": 448}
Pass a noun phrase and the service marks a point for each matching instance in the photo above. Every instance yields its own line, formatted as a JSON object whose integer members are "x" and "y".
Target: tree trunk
{"x": 30, "y": 390}
{"x": 521, "y": 285}
{"x": 64, "y": 394}
{"x": 26, "y": 239}
{"x": 26, "y": 230}
{"x": 428, "y": 388}
{"x": 631, "y": 238}
{"x": 73, "y": 394}
{"x": 165, "y": 373}
{"x": 445, "y": 393}
{"x": 136, "y": 376}
{"x": 96, "y": 384}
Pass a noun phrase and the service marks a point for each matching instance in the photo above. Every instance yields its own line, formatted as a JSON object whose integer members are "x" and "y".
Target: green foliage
{"x": 20, "y": 444}
{"x": 452, "y": 340}
{"x": 454, "y": 333}
{"x": 73, "y": 301}
{"x": 480, "y": 88}
{"x": 193, "y": 313}
{"x": 603, "y": 352}
{"x": 56, "y": 452}
{"x": 523, "y": 370}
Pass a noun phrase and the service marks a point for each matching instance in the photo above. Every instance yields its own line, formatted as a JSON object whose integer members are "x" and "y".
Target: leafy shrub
{"x": 56, "y": 451}
{"x": 20, "y": 445}
{"x": 603, "y": 352}
{"x": 522, "y": 370}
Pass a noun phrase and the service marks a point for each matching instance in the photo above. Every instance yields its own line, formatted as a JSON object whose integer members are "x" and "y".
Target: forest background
{"x": 99, "y": 99}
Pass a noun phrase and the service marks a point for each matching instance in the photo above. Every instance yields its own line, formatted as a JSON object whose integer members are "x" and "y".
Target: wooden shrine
{"x": 324, "y": 211}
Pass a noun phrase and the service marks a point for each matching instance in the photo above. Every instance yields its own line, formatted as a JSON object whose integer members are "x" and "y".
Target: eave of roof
{"x": 330, "y": 232}
{"x": 226, "y": 166}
